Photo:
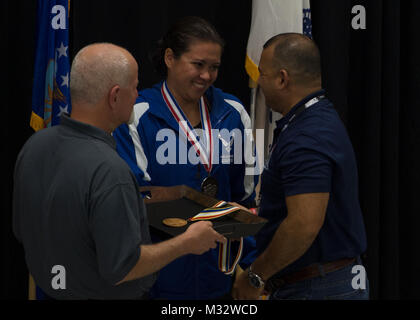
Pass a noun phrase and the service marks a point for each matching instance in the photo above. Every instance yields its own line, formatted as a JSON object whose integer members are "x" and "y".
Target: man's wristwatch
{"x": 254, "y": 279}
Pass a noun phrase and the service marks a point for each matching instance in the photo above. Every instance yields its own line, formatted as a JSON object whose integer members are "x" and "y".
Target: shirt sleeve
{"x": 304, "y": 166}
{"x": 116, "y": 231}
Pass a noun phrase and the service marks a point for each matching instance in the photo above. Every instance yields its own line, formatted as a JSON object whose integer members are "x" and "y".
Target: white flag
{"x": 269, "y": 18}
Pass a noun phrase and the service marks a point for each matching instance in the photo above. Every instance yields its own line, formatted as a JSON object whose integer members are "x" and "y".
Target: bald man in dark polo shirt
{"x": 77, "y": 209}
{"x": 311, "y": 247}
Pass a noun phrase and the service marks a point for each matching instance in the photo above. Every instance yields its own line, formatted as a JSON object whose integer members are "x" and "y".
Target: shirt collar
{"x": 280, "y": 123}
{"x": 87, "y": 129}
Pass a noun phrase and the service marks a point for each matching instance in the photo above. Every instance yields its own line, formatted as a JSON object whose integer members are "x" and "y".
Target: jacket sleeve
{"x": 243, "y": 174}
{"x": 132, "y": 148}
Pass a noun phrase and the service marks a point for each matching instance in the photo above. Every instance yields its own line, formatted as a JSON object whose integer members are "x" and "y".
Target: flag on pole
{"x": 50, "y": 91}
{"x": 269, "y": 18}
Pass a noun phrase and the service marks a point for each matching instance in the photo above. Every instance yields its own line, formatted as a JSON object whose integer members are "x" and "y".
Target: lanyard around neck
{"x": 298, "y": 111}
{"x": 302, "y": 108}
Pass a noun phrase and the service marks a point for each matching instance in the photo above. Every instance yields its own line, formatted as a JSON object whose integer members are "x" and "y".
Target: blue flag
{"x": 50, "y": 92}
{"x": 307, "y": 21}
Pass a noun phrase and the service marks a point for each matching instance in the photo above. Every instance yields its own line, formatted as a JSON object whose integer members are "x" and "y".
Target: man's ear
{"x": 113, "y": 96}
{"x": 169, "y": 57}
{"x": 282, "y": 79}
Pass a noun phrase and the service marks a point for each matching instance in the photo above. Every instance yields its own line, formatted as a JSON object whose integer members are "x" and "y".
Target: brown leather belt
{"x": 306, "y": 273}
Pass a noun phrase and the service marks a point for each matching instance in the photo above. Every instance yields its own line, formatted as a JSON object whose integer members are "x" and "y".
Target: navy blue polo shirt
{"x": 314, "y": 154}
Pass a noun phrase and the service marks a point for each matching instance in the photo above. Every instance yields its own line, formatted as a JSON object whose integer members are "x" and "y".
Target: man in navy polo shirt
{"x": 311, "y": 246}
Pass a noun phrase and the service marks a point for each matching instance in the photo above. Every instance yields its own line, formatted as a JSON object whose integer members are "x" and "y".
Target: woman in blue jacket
{"x": 186, "y": 131}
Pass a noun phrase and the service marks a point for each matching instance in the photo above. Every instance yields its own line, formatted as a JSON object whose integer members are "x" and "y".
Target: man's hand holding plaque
{"x": 201, "y": 237}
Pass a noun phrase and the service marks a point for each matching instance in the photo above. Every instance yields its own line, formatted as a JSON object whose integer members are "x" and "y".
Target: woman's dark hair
{"x": 179, "y": 38}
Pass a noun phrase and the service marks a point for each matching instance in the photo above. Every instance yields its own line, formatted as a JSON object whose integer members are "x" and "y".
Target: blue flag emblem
{"x": 307, "y": 22}
{"x": 50, "y": 92}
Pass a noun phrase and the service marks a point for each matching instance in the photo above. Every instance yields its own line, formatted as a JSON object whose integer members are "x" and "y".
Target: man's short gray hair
{"x": 92, "y": 76}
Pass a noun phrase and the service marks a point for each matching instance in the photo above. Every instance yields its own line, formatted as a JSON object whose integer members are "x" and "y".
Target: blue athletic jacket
{"x": 158, "y": 155}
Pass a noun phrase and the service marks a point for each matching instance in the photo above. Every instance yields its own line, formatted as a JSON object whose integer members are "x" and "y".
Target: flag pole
{"x": 252, "y": 111}
{"x": 31, "y": 288}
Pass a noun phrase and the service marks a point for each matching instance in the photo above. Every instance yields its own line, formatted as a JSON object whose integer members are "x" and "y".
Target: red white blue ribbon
{"x": 218, "y": 210}
{"x": 205, "y": 155}
{"x": 224, "y": 256}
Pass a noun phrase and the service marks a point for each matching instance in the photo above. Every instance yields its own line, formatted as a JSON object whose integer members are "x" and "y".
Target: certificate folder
{"x": 184, "y": 202}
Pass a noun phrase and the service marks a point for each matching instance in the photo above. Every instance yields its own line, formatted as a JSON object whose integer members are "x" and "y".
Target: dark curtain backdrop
{"x": 137, "y": 25}
{"x": 371, "y": 75}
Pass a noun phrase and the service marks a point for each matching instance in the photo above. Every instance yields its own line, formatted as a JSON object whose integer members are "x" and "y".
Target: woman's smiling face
{"x": 192, "y": 73}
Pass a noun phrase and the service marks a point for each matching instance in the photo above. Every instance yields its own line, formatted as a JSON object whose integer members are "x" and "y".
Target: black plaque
{"x": 184, "y": 202}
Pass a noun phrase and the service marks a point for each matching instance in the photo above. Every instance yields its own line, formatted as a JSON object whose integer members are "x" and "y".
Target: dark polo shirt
{"x": 314, "y": 154}
{"x": 76, "y": 205}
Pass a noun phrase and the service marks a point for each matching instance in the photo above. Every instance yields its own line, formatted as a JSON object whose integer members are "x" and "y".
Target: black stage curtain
{"x": 137, "y": 25}
{"x": 18, "y": 40}
{"x": 371, "y": 75}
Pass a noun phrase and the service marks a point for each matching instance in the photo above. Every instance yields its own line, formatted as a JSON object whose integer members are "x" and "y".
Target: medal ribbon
{"x": 184, "y": 124}
{"x": 214, "y": 212}
{"x": 224, "y": 256}
{"x": 218, "y": 210}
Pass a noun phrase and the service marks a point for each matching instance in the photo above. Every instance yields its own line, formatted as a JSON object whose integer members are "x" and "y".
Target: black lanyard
{"x": 298, "y": 111}
{"x": 303, "y": 107}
